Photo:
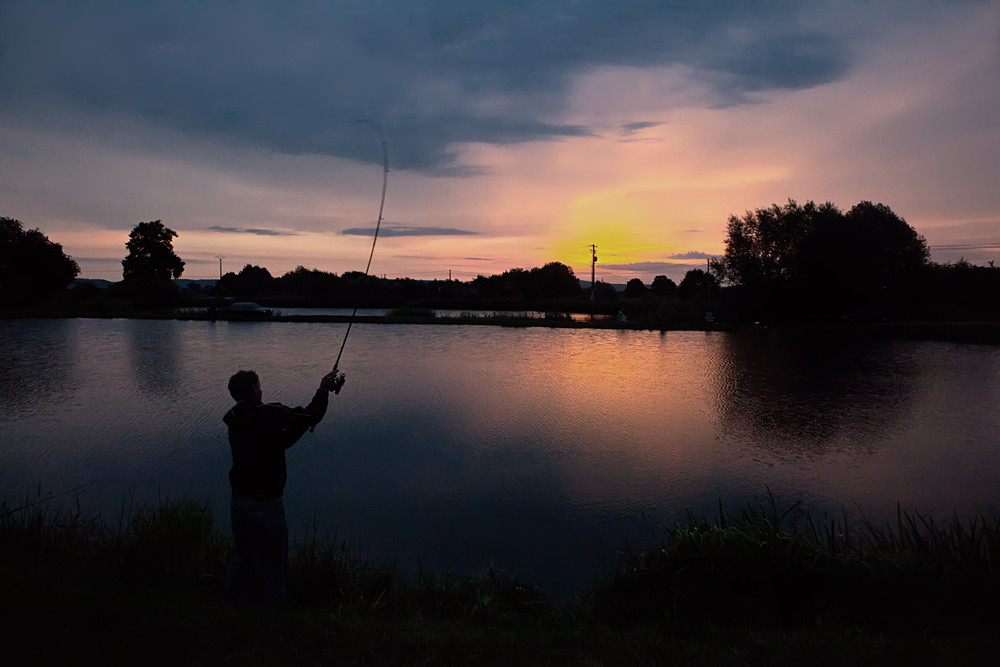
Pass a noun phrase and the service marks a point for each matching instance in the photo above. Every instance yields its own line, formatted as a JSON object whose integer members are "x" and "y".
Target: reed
{"x": 167, "y": 539}
{"x": 783, "y": 565}
{"x": 326, "y": 573}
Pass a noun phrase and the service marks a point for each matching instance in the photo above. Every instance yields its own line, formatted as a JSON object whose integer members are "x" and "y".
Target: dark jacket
{"x": 259, "y": 434}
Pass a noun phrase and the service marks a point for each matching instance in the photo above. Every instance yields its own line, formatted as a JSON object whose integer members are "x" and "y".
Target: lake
{"x": 539, "y": 451}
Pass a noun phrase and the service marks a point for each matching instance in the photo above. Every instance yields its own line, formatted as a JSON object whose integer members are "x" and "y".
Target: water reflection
{"x": 39, "y": 361}
{"x": 155, "y": 352}
{"x": 804, "y": 396}
{"x": 540, "y": 450}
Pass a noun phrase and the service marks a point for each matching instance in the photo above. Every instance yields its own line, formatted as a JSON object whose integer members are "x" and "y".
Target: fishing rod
{"x": 47, "y": 498}
{"x": 378, "y": 225}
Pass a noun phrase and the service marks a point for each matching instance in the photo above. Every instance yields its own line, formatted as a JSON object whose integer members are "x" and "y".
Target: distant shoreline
{"x": 985, "y": 332}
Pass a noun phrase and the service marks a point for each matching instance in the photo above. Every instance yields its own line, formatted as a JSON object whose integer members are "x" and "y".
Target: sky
{"x": 518, "y": 133}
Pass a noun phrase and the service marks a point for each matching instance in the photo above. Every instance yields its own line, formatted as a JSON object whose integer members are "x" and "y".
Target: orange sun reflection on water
{"x": 576, "y": 392}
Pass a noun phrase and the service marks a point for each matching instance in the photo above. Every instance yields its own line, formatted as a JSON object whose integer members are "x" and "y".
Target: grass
{"x": 768, "y": 586}
{"x": 783, "y": 566}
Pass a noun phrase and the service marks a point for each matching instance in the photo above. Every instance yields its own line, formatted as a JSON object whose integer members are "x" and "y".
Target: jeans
{"x": 260, "y": 535}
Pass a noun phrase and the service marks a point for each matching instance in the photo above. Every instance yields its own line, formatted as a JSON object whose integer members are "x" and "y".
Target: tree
{"x": 961, "y": 290}
{"x": 697, "y": 282}
{"x": 151, "y": 259}
{"x": 311, "y": 282}
{"x": 553, "y": 280}
{"x": 663, "y": 286}
{"x": 816, "y": 260}
{"x": 763, "y": 246}
{"x": 634, "y": 288}
{"x": 605, "y": 292}
{"x": 250, "y": 281}
{"x": 31, "y": 266}
{"x": 889, "y": 242}
{"x": 869, "y": 257}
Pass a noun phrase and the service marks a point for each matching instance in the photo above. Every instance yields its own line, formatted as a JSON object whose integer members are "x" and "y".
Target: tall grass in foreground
{"x": 784, "y": 566}
{"x": 168, "y": 539}
{"x": 179, "y": 540}
{"x": 762, "y": 565}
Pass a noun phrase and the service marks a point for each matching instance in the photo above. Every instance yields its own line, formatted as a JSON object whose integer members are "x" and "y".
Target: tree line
{"x": 553, "y": 285}
{"x": 816, "y": 262}
{"x": 32, "y": 268}
{"x": 786, "y": 261}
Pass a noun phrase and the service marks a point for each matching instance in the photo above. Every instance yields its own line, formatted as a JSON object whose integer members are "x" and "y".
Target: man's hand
{"x": 332, "y": 381}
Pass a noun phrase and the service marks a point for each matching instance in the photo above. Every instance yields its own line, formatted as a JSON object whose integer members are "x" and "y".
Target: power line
{"x": 965, "y": 246}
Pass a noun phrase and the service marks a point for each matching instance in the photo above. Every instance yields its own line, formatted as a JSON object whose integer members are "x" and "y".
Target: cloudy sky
{"x": 517, "y": 132}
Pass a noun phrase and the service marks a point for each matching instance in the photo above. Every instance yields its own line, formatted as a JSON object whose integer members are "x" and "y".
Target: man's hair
{"x": 242, "y": 384}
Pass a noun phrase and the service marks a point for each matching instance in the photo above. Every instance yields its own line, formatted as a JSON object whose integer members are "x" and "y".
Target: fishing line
{"x": 378, "y": 225}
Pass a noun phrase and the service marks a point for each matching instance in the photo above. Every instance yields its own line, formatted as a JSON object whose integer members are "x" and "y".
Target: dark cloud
{"x": 253, "y": 231}
{"x": 652, "y": 267}
{"x": 294, "y": 77}
{"x": 402, "y": 230}
{"x": 632, "y": 128}
{"x": 787, "y": 57}
{"x": 691, "y": 254}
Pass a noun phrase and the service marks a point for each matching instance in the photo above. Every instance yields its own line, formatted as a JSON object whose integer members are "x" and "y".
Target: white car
{"x": 248, "y": 310}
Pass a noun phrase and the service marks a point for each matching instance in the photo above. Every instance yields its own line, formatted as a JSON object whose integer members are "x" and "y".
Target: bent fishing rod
{"x": 378, "y": 225}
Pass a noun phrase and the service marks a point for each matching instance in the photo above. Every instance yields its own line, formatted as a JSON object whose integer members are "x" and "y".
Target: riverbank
{"x": 764, "y": 587}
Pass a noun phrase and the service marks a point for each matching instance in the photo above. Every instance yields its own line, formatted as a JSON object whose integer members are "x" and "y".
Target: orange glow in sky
{"x": 658, "y": 156}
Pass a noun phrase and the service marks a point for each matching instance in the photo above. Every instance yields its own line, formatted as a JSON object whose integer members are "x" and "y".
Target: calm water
{"x": 541, "y": 451}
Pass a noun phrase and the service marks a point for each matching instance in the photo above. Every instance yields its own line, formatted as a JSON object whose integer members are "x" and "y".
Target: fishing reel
{"x": 332, "y": 381}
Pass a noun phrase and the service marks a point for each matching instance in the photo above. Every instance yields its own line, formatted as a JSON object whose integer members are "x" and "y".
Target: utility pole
{"x": 220, "y": 258}
{"x": 593, "y": 267}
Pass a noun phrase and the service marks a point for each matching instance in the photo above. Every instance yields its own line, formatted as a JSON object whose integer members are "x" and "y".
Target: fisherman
{"x": 259, "y": 434}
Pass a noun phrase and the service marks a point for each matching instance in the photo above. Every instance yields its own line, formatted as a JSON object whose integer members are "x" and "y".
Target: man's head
{"x": 244, "y": 385}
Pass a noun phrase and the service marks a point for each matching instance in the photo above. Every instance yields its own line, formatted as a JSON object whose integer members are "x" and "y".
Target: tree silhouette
{"x": 816, "y": 260}
{"x": 868, "y": 257}
{"x": 605, "y": 292}
{"x": 886, "y": 240}
{"x": 634, "y": 288}
{"x": 250, "y": 281}
{"x": 554, "y": 280}
{"x": 663, "y": 286}
{"x": 151, "y": 258}
{"x": 763, "y": 246}
{"x": 311, "y": 282}
{"x": 31, "y": 266}
{"x": 697, "y": 282}
{"x": 962, "y": 290}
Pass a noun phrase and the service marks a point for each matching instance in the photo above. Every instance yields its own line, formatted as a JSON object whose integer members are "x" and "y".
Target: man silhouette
{"x": 259, "y": 434}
